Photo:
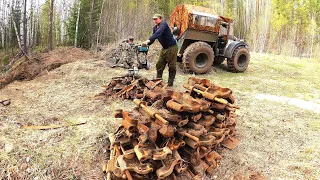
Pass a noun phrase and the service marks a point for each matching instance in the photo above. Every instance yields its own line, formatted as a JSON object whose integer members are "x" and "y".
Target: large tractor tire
{"x": 240, "y": 60}
{"x": 198, "y": 58}
{"x": 218, "y": 60}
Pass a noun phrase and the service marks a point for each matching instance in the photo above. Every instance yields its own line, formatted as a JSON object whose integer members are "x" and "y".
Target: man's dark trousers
{"x": 168, "y": 56}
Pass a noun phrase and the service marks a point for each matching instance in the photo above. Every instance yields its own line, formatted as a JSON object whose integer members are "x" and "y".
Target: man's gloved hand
{"x": 146, "y": 42}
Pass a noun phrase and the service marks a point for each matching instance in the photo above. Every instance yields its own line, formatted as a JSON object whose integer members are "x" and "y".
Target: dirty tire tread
{"x": 188, "y": 67}
{"x": 231, "y": 61}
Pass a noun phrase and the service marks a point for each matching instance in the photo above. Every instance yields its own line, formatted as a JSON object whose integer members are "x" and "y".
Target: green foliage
{"x": 229, "y": 11}
{"x": 57, "y": 29}
{"x": 295, "y": 21}
{"x": 44, "y": 22}
{"x": 71, "y": 24}
{"x": 44, "y": 25}
{"x": 84, "y": 22}
{"x": 5, "y": 60}
{"x": 164, "y": 7}
{"x": 281, "y": 14}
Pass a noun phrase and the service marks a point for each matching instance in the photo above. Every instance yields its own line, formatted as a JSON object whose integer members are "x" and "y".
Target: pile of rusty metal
{"x": 173, "y": 135}
{"x": 129, "y": 87}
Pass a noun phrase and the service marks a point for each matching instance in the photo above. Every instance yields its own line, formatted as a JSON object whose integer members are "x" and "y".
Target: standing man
{"x": 168, "y": 54}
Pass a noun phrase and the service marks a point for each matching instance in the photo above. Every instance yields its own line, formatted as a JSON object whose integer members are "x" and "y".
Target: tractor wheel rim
{"x": 242, "y": 60}
{"x": 202, "y": 60}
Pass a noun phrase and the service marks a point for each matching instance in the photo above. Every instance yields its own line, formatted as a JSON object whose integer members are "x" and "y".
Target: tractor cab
{"x": 204, "y": 39}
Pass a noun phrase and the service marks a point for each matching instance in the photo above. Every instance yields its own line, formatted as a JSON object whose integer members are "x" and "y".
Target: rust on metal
{"x": 134, "y": 165}
{"x": 150, "y": 111}
{"x": 170, "y": 134}
{"x": 230, "y": 143}
{"x": 168, "y": 165}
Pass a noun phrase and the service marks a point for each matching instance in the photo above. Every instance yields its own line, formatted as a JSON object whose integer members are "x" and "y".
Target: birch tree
{"x": 77, "y": 25}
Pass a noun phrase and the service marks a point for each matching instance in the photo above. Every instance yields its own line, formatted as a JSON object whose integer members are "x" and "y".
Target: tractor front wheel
{"x": 240, "y": 60}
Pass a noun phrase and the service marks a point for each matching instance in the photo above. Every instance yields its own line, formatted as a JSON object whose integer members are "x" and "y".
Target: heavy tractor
{"x": 205, "y": 39}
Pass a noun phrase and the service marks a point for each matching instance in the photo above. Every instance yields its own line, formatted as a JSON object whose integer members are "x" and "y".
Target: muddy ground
{"x": 279, "y": 139}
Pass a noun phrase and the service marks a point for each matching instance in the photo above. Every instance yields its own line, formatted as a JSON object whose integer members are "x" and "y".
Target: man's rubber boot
{"x": 172, "y": 75}
{"x": 159, "y": 74}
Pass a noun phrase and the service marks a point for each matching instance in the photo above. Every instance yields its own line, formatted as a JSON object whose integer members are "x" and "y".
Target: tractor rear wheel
{"x": 218, "y": 60}
{"x": 198, "y": 58}
{"x": 240, "y": 60}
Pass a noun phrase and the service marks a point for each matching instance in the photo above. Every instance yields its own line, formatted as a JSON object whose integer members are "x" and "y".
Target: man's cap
{"x": 157, "y": 16}
{"x": 131, "y": 38}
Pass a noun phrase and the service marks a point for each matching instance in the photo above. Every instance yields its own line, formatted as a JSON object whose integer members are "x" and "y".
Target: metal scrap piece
{"x": 174, "y": 143}
{"x": 197, "y": 117}
{"x": 143, "y": 153}
{"x": 161, "y": 153}
{"x": 183, "y": 103}
{"x": 230, "y": 143}
{"x": 134, "y": 165}
{"x": 168, "y": 165}
{"x": 168, "y": 115}
{"x": 206, "y": 120}
{"x": 201, "y": 168}
{"x": 196, "y": 129}
{"x": 150, "y": 111}
{"x": 167, "y": 131}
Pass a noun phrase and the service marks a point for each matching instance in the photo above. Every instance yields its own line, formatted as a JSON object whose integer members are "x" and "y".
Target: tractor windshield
{"x": 204, "y": 19}
{"x": 223, "y": 29}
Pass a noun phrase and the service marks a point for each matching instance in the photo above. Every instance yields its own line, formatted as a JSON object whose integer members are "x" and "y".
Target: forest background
{"x": 287, "y": 27}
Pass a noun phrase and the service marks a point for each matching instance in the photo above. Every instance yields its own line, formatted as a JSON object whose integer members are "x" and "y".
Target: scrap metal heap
{"x": 129, "y": 87}
{"x": 173, "y": 135}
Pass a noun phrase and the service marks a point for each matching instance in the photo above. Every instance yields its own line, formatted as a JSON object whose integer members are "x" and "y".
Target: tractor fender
{"x": 232, "y": 45}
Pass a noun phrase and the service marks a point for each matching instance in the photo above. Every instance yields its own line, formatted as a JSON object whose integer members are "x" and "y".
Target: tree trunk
{"x": 91, "y": 23}
{"x": 99, "y": 27}
{"x": 32, "y": 24}
{"x": 36, "y": 25}
{"x": 2, "y": 24}
{"x": 62, "y": 28}
{"x": 56, "y": 28}
{"x": 19, "y": 40}
{"x": 50, "y": 26}
{"x": 9, "y": 33}
{"x": 25, "y": 47}
{"x": 77, "y": 25}
{"x": 16, "y": 31}
{"x": 2, "y": 37}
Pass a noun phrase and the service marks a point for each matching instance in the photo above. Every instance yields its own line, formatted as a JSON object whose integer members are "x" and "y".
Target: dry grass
{"x": 278, "y": 140}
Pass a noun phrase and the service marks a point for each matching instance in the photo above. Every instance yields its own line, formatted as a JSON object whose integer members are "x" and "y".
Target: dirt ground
{"x": 39, "y": 64}
{"x": 279, "y": 140}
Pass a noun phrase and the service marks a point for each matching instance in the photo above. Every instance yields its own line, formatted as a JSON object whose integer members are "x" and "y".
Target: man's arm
{"x": 153, "y": 31}
{"x": 158, "y": 33}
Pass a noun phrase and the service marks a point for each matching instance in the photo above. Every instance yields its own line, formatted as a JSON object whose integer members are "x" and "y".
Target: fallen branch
{"x": 6, "y": 102}
{"x": 52, "y": 126}
{"x": 18, "y": 38}
{"x": 16, "y": 57}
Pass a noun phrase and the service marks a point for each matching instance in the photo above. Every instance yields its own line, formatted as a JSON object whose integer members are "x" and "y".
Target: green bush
{"x": 5, "y": 60}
